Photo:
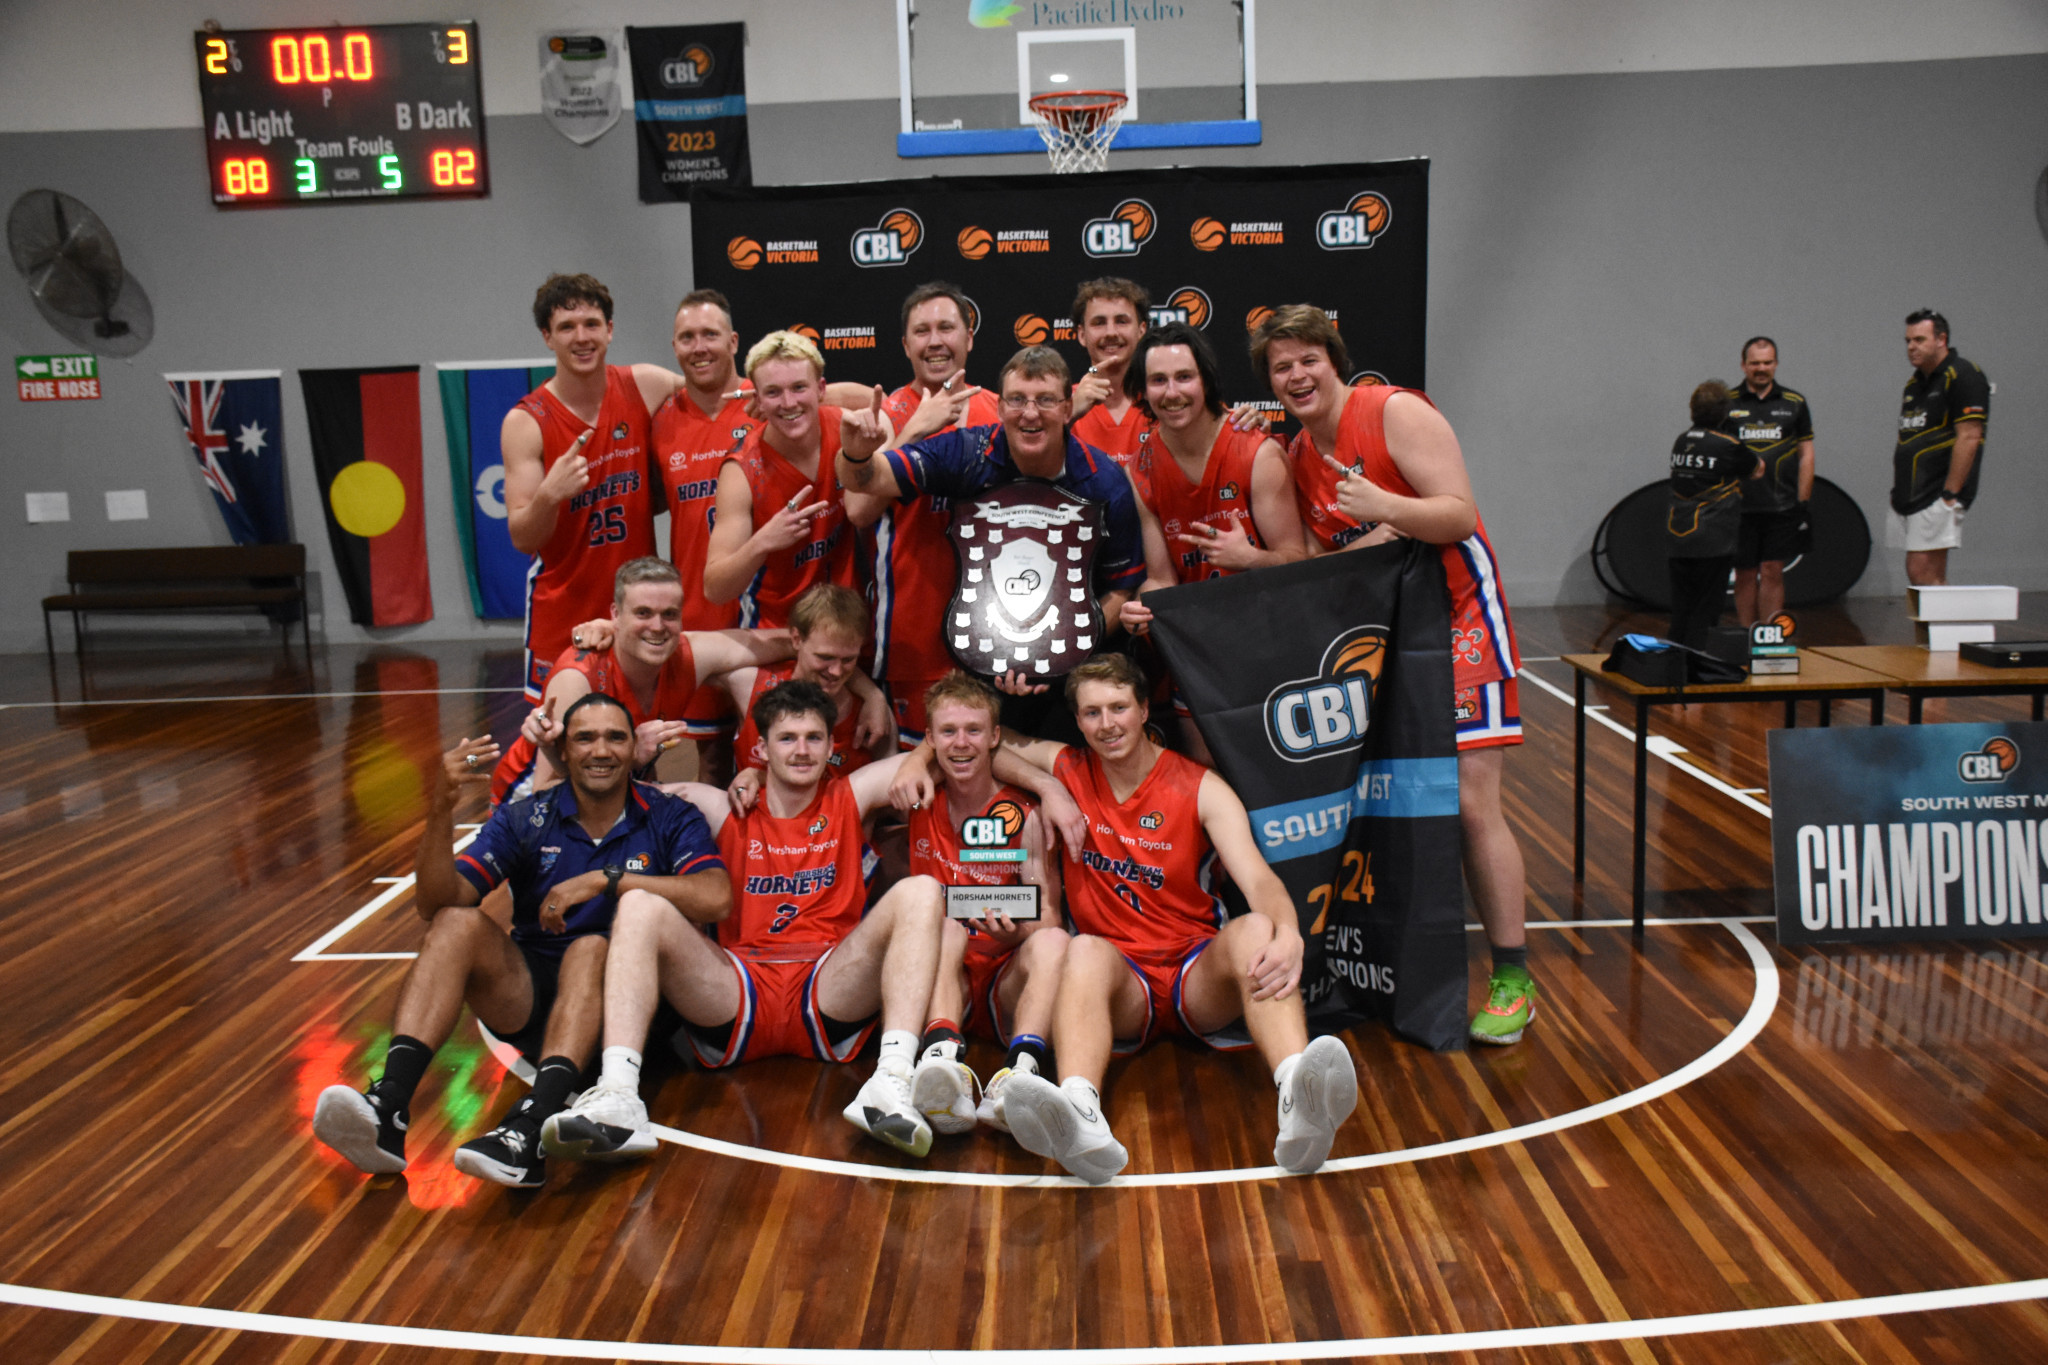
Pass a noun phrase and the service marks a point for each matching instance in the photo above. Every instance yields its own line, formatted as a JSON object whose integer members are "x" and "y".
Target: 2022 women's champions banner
{"x": 1215, "y": 248}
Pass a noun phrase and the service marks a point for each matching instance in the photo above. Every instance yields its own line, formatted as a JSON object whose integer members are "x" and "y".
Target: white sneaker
{"x": 883, "y": 1109}
{"x": 990, "y": 1110}
{"x": 1320, "y": 1094}
{"x": 356, "y": 1125}
{"x": 943, "y": 1091}
{"x": 608, "y": 1123}
{"x": 1049, "y": 1120}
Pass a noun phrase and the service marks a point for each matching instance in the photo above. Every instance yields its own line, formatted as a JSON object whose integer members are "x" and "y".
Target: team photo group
{"x": 910, "y": 819}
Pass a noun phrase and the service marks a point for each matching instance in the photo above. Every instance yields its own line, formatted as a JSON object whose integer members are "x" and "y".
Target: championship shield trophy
{"x": 1025, "y": 597}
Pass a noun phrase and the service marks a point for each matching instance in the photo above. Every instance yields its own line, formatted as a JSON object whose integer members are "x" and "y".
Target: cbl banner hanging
{"x": 690, "y": 109}
{"x": 475, "y": 396}
{"x": 365, "y": 426}
{"x": 1324, "y": 690}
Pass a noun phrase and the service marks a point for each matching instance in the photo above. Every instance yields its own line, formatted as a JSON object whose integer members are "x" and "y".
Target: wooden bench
{"x": 204, "y": 578}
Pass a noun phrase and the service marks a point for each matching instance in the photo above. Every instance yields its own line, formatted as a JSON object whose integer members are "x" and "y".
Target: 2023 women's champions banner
{"x": 1215, "y": 248}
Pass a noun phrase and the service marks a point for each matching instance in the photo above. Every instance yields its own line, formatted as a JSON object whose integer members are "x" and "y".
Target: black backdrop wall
{"x": 1212, "y": 246}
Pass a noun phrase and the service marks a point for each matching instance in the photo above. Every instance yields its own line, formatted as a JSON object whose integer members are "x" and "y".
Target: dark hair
{"x": 710, "y": 296}
{"x": 1036, "y": 362}
{"x": 1303, "y": 322}
{"x": 594, "y": 699}
{"x": 1929, "y": 315}
{"x": 937, "y": 289}
{"x": 1710, "y": 403}
{"x": 1112, "y": 287}
{"x": 793, "y": 698}
{"x": 566, "y": 291}
{"x": 1174, "y": 334}
{"x": 1118, "y": 670}
{"x": 1758, "y": 341}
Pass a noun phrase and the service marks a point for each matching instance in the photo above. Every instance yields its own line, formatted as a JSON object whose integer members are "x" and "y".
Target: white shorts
{"x": 1937, "y": 526}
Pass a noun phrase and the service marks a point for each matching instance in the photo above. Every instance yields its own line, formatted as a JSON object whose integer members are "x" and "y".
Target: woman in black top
{"x": 1707, "y": 469}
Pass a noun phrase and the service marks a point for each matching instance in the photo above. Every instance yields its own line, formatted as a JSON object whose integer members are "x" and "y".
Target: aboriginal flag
{"x": 475, "y": 396}
{"x": 365, "y": 426}
{"x": 1324, "y": 691}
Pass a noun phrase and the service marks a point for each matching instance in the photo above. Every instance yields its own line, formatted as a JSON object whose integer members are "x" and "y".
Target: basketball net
{"x": 1077, "y": 127}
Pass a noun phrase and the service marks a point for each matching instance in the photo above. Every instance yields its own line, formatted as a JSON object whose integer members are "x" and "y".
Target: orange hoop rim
{"x": 1100, "y": 103}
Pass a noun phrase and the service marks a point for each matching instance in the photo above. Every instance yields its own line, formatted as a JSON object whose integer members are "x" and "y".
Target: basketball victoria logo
{"x": 889, "y": 242}
{"x": 1359, "y": 223}
{"x": 1311, "y": 718}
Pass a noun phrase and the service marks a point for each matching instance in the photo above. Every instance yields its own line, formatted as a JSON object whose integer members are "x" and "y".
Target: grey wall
{"x": 1599, "y": 245}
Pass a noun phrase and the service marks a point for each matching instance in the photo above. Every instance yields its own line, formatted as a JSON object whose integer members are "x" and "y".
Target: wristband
{"x": 850, "y": 460}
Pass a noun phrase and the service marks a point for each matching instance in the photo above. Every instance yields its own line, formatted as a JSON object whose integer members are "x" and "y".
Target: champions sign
{"x": 1910, "y": 832}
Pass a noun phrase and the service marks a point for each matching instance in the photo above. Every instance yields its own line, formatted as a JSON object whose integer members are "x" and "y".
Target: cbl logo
{"x": 1001, "y": 823}
{"x": 1359, "y": 223}
{"x": 891, "y": 241}
{"x": 1186, "y": 304}
{"x": 687, "y": 69}
{"x": 1124, "y": 233}
{"x": 1993, "y": 763}
{"x": 1776, "y": 631}
{"x": 1310, "y": 718}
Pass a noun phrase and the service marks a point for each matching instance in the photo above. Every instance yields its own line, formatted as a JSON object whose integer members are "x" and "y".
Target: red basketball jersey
{"x": 1482, "y": 635}
{"x": 599, "y": 529}
{"x": 1224, "y": 494}
{"x": 672, "y": 690}
{"x": 688, "y": 449}
{"x": 1118, "y": 440}
{"x": 825, "y": 558}
{"x": 1143, "y": 882}
{"x": 912, "y": 563}
{"x": 797, "y": 887}
{"x": 845, "y": 757}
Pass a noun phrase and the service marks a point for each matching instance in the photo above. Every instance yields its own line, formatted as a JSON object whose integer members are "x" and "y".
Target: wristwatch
{"x": 611, "y": 880}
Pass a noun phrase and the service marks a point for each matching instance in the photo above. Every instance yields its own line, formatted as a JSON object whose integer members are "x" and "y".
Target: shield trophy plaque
{"x": 1025, "y": 596}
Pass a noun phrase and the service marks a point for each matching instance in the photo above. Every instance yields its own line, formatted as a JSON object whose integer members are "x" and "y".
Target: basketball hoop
{"x": 1078, "y": 126}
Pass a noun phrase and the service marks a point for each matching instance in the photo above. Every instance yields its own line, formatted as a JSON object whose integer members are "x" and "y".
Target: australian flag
{"x": 234, "y": 425}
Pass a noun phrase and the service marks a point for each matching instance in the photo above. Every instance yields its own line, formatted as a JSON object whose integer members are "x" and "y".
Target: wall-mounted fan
{"x": 74, "y": 272}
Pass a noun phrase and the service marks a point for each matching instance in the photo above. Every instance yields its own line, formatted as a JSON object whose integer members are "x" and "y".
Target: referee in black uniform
{"x": 1777, "y": 426}
{"x": 1709, "y": 469}
{"x": 1940, "y": 453}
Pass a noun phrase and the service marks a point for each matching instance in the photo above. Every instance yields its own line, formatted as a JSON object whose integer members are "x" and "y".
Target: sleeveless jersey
{"x": 689, "y": 447}
{"x": 845, "y": 757}
{"x": 596, "y": 531}
{"x": 1143, "y": 882}
{"x": 911, "y": 563}
{"x": 1224, "y": 495}
{"x": 672, "y": 691}
{"x": 827, "y": 557}
{"x": 1482, "y": 635}
{"x": 1118, "y": 440}
{"x": 796, "y": 882}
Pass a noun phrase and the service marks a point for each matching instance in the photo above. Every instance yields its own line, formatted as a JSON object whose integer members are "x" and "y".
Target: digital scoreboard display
{"x": 321, "y": 115}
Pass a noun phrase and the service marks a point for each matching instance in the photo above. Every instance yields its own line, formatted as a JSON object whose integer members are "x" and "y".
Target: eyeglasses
{"x": 1019, "y": 403}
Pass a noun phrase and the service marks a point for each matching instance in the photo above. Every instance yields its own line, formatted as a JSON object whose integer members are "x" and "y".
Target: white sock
{"x": 1285, "y": 1069}
{"x": 1083, "y": 1093}
{"x": 621, "y": 1068}
{"x": 899, "y": 1050}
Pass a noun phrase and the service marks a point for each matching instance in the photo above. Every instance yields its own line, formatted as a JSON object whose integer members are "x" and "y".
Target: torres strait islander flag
{"x": 365, "y": 425}
{"x": 475, "y": 396}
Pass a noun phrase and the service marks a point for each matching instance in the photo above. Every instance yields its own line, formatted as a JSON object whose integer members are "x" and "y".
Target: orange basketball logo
{"x": 806, "y": 331}
{"x": 971, "y": 315}
{"x": 1366, "y": 379}
{"x": 1207, "y": 234}
{"x": 1257, "y": 318}
{"x": 1367, "y": 655}
{"x": 906, "y": 227}
{"x": 1783, "y": 621}
{"x": 1359, "y": 223}
{"x": 1010, "y": 813}
{"x": 1031, "y": 330}
{"x": 974, "y": 242}
{"x": 1138, "y": 214}
{"x": 1192, "y": 305}
{"x": 1373, "y": 208}
{"x": 743, "y": 252}
{"x": 2005, "y": 752}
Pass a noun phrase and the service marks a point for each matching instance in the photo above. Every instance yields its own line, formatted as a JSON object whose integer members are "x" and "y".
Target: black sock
{"x": 405, "y": 1061}
{"x": 1032, "y": 1046}
{"x": 1510, "y": 957}
{"x": 942, "y": 1031}
{"x": 552, "y": 1083}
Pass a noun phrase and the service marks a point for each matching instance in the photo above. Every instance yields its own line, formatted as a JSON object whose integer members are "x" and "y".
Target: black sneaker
{"x": 358, "y": 1126}
{"x": 507, "y": 1155}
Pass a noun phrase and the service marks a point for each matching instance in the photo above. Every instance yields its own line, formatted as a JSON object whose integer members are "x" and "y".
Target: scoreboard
{"x": 321, "y": 115}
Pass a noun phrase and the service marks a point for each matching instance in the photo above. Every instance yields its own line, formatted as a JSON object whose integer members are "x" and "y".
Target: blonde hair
{"x": 784, "y": 345}
{"x": 830, "y": 604}
{"x": 964, "y": 689}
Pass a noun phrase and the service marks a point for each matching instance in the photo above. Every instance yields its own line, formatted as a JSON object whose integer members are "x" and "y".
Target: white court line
{"x": 398, "y": 886}
{"x": 274, "y": 696}
{"x": 1662, "y": 747}
{"x": 1497, "y": 1339}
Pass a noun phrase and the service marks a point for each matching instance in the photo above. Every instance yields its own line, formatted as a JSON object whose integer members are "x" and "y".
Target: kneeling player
{"x": 801, "y": 968}
{"x": 1155, "y": 955}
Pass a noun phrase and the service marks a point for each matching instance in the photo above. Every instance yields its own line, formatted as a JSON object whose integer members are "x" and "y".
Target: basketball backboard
{"x": 967, "y": 68}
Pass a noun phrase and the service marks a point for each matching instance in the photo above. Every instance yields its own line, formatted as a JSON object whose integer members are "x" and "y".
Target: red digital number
{"x": 311, "y": 59}
{"x": 246, "y": 175}
{"x": 452, "y": 168}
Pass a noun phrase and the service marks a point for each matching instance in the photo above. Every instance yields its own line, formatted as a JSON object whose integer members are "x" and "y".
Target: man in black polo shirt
{"x": 1940, "y": 451}
{"x": 1777, "y": 426}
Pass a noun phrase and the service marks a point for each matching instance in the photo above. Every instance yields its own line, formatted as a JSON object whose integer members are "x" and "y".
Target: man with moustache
{"x": 1110, "y": 314}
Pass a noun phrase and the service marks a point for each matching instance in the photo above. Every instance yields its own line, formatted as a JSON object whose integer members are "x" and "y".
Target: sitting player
{"x": 801, "y": 968}
{"x": 569, "y": 856}
{"x": 643, "y": 657}
{"x": 1142, "y": 966}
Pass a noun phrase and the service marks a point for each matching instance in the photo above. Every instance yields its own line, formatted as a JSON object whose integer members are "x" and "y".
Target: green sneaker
{"x": 1510, "y": 1005}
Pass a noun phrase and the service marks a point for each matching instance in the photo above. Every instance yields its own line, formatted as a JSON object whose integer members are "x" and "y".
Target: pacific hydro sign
{"x": 1910, "y": 832}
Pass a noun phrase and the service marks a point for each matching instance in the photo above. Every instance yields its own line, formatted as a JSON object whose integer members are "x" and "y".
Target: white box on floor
{"x": 1963, "y": 602}
{"x": 1942, "y": 637}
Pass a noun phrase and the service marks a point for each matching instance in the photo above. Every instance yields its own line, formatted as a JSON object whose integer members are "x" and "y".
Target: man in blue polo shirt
{"x": 571, "y": 854}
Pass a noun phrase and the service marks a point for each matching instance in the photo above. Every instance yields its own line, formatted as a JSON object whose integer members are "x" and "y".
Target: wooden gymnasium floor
{"x": 1708, "y": 1149}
